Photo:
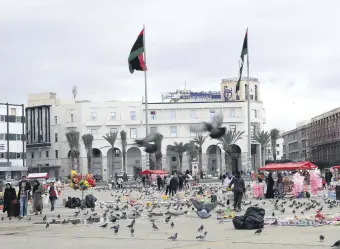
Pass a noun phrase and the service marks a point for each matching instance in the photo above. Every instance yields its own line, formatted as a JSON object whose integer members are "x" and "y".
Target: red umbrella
{"x": 159, "y": 172}
{"x": 145, "y": 172}
{"x": 336, "y": 167}
{"x": 289, "y": 166}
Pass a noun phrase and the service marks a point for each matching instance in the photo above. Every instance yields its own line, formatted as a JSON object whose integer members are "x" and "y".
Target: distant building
{"x": 12, "y": 141}
{"x": 278, "y": 150}
{"x": 49, "y": 119}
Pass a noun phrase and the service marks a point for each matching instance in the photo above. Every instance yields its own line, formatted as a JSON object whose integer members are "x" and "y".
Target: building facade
{"x": 324, "y": 137}
{"x": 295, "y": 145}
{"x": 49, "y": 119}
{"x": 278, "y": 150}
{"x": 12, "y": 141}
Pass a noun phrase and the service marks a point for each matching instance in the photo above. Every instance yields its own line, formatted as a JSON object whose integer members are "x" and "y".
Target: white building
{"x": 278, "y": 150}
{"x": 49, "y": 119}
{"x": 12, "y": 141}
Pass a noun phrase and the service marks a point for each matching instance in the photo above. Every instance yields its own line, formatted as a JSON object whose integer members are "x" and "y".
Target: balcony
{"x": 70, "y": 124}
{"x": 112, "y": 121}
{"x": 38, "y": 145}
{"x": 93, "y": 121}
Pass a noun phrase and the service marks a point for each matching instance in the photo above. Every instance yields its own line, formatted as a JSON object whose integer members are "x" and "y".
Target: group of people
{"x": 17, "y": 204}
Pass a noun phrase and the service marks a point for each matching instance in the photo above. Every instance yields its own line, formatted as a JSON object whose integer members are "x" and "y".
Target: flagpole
{"x": 248, "y": 102}
{"x": 146, "y": 95}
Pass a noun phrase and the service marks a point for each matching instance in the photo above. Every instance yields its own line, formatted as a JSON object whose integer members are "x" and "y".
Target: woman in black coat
{"x": 10, "y": 201}
{"x": 270, "y": 187}
{"x": 173, "y": 185}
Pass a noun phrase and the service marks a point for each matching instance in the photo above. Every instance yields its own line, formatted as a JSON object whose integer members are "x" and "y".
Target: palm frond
{"x": 111, "y": 138}
{"x": 262, "y": 138}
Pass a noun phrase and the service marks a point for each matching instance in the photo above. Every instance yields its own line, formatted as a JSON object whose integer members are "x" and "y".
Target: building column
{"x": 105, "y": 171}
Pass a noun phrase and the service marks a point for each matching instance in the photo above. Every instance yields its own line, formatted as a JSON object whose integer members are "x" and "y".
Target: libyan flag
{"x": 136, "y": 57}
{"x": 243, "y": 53}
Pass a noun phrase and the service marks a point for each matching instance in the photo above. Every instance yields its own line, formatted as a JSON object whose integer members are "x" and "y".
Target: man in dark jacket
{"x": 239, "y": 189}
{"x": 173, "y": 185}
{"x": 24, "y": 195}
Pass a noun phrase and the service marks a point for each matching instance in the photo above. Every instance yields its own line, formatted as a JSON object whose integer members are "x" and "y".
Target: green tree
{"x": 124, "y": 144}
{"x": 192, "y": 151}
{"x": 274, "y": 136}
{"x": 228, "y": 139}
{"x": 73, "y": 142}
{"x": 180, "y": 149}
{"x": 199, "y": 141}
{"x": 263, "y": 138}
{"x": 88, "y": 141}
{"x": 111, "y": 139}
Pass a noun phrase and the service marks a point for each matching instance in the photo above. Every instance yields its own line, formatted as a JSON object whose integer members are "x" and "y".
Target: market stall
{"x": 37, "y": 176}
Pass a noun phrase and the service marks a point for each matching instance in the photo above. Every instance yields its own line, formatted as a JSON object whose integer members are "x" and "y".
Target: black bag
{"x": 238, "y": 222}
{"x": 90, "y": 201}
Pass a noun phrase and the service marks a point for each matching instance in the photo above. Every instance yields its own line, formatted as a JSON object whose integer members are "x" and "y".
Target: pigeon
{"x": 58, "y": 216}
{"x": 215, "y": 130}
{"x": 104, "y": 226}
{"x": 130, "y": 226}
{"x": 154, "y": 226}
{"x": 336, "y": 244}
{"x": 321, "y": 237}
{"x": 29, "y": 218}
{"x": 200, "y": 229}
{"x": 173, "y": 237}
{"x": 146, "y": 143}
{"x": 273, "y": 214}
{"x": 258, "y": 231}
{"x": 47, "y": 225}
{"x": 132, "y": 231}
{"x": 172, "y": 224}
{"x": 202, "y": 236}
{"x": 45, "y": 218}
{"x": 2, "y": 218}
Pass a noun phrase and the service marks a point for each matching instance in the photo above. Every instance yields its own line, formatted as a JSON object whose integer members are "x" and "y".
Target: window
{"x": 277, "y": 153}
{"x": 246, "y": 91}
{"x": 193, "y": 114}
{"x": 173, "y": 131}
{"x": 255, "y": 113}
{"x": 2, "y": 155}
{"x": 56, "y": 153}
{"x": 93, "y": 115}
{"x": 252, "y": 130}
{"x": 94, "y": 133}
{"x": 18, "y": 155}
{"x": 153, "y": 115}
{"x": 55, "y": 120}
{"x": 2, "y": 136}
{"x": 40, "y": 153}
{"x": 277, "y": 145}
{"x": 172, "y": 114}
{"x": 232, "y": 113}
{"x": 113, "y": 116}
{"x": 192, "y": 133}
{"x": 233, "y": 128}
{"x": 18, "y": 119}
{"x": 47, "y": 153}
{"x": 72, "y": 117}
{"x": 212, "y": 114}
{"x": 153, "y": 129}
{"x": 2, "y": 118}
{"x": 132, "y": 115}
{"x": 113, "y": 130}
{"x": 256, "y": 93}
{"x": 13, "y": 112}
{"x": 18, "y": 137}
{"x": 133, "y": 133}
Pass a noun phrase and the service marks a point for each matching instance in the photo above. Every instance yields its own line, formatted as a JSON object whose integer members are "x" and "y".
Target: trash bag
{"x": 90, "y": 201}
{"x": 83, "y": 204}
{"x": 238, "y": 222}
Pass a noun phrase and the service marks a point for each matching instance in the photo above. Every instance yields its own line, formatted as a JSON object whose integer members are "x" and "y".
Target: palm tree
{"x": 73, "y": 142}
{"x": 111, "y": 139}
{"x": 180, "y": 149}
{"x": 263, "y": 139}
{"x": 158, "y": 153}
{"x": 88, "y": 140}
{"x": 199, "y": 141}
{"x": 124, "y": 144}
{"x": 228, "y": 139}
{"x": 193, "y": 151}
{"x": 274, "y": 136}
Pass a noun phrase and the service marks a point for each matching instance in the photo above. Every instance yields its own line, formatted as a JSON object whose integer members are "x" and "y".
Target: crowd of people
{"x": 16, "y": 202}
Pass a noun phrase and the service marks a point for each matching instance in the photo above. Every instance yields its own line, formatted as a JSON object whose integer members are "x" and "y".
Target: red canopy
{"x": 336, "y": 167}
{"x": 145, "y": 172}
{"x": 159, "y": 172}
{"x": 289, "y": 166}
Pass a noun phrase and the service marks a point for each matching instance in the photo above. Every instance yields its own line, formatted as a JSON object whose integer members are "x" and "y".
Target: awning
{"x": 145, "y": 172}
{"x": 336, "y": 167}
{"x": 37, "y": 176}
{"x": 289, "y": 166}
{"x": 159, "y": 172}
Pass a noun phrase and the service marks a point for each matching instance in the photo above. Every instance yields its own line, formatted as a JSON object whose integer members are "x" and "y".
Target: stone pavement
{"x": 25, "y": 234}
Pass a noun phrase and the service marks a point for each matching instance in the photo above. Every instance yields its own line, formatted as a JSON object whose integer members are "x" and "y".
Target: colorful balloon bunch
{"x": 81, "y": 182}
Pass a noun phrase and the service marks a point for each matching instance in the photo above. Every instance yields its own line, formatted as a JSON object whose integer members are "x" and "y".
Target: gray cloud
{"x": 52, "y": 45}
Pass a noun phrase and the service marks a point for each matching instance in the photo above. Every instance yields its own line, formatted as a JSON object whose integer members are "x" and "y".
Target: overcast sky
{"x": 294, "y": 47}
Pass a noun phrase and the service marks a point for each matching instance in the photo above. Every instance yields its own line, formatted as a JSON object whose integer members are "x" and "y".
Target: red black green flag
{"x": 136, "y": 57}
{"x": 243, "y": 53}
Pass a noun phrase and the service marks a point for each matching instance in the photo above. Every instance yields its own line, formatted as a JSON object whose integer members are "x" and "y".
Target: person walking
{"x": 173, "y": 185}
{"x": 270, "y": 186}
{"x": 239, "y": 189}
{"x": 53, "y": 195}
{"x": 167, "y": 184}
{"x": 37, "y": 192}
{"x": 120, "y": 182}
{"x": 159, "y": 182}
{"x": 24, "y": 195}
{"x": 10, "y": 201}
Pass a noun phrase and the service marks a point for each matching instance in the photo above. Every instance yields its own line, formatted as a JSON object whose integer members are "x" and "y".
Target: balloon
{"x": 74, "y": 173}
{"x": 298, "y": 184}
{"x": 315, "y": 181}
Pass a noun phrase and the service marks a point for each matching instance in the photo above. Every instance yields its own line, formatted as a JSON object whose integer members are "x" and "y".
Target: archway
{"x": 235, "y": 154}
{"x": 172, "y": 161}
{"x": 117, "y": 161}
{"x": 96, "y": 162}
{"x": 214, "y": 159}
{"x": 133, "y": 161}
